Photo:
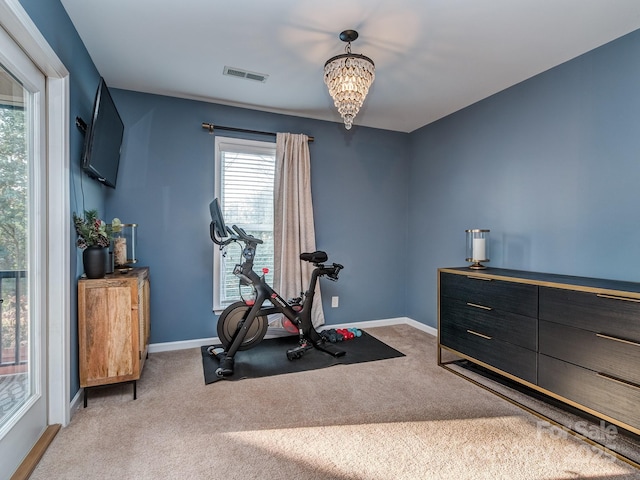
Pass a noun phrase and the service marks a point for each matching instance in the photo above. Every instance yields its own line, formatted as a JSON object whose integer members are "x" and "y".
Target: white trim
{"x": 199, "y": 342}
{"x": 387, "y": 322}
{"x": 59, "y": 331}
{"x": 17, "y": 22}
{"x": 421, "y": 326}
{"x": 77, "y": 401}
{"x": 182, "y": 345}
{"x": 19, "y": 25}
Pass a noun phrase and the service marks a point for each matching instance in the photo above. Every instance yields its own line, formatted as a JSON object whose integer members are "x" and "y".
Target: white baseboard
{"x": 421, "y": 326}
{"x": 170, "y": 346}
{"x": 390, "y": 321}
{"x": 199, "y": 342}
{"x": 76, "y": 401}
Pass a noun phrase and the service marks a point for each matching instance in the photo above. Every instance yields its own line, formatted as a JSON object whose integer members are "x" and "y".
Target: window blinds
{"x": 246, "y": 195}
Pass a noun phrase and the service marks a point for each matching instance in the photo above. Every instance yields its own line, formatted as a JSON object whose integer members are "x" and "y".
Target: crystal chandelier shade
{"x": 348, "y": 77}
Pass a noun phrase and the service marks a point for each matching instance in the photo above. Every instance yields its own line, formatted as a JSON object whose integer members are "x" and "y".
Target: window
{"x": 244, "y": 171}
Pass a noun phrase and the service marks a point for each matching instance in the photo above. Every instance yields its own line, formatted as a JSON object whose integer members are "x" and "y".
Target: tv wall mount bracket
{"x": 81, "y": 124}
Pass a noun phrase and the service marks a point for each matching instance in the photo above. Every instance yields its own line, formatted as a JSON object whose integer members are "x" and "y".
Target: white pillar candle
{"x": 120, "y": 251}
{"x": 479, "y": 249}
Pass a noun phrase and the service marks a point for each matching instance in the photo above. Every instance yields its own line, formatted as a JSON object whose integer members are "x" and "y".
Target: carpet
{"x": 270, "y": 357}
{"x": 613, "y": 440}
{"x": 401, "y": 419}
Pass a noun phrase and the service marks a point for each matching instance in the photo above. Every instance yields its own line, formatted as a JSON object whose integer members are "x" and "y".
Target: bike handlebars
{"x": 333, "y": 272}
{"x": 236, "y": 234}
{"x": 216, "y": 240}
{"x": 244, "y": 236}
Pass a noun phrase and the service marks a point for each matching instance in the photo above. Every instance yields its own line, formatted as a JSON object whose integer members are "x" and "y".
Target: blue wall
{"x": 165, "y": 184}
{"x": 551, "y": 166}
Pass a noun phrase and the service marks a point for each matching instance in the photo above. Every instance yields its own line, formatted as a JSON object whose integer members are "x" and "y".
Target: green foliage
{"x": 13, "y": 189}
{"x": 11, "y": 302}
{"x": 91, "y": 230}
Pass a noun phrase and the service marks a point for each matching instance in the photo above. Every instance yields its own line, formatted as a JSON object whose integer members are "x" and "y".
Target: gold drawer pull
{"x": 613, "y": 297}
{"x": 617, "y": 380}
{"x": 616, "y": 339}
{"x": 479, "y": 334}
{"x": 480, "y": 278}
{"x": 479, "y": 306}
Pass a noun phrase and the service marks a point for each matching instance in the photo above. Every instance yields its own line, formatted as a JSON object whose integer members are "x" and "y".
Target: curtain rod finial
{"x": 208, "y": 126}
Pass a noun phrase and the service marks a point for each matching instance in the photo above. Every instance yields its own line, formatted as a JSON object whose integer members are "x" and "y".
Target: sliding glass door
{"x": 23, "y": 394}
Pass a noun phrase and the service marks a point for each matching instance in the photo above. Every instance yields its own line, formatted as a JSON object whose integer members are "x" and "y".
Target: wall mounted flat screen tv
{"x": 103, "y": 139}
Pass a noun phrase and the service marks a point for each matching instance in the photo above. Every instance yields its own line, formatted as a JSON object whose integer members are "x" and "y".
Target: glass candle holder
{"x": 477, "y": 247}
{"x": 124, "y": 247}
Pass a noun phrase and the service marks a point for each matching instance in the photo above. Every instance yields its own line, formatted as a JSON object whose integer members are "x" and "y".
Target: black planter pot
{"x": 94, "y": 260}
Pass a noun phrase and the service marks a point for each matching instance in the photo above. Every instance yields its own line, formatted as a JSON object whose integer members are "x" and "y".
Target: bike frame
{"x": 264, "y": 292}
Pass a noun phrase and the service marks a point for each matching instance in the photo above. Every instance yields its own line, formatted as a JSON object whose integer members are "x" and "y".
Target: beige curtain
{"x": 294, "y": 231}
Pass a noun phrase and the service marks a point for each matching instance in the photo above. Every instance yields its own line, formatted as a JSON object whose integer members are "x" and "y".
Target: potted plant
{"x": 94, "y": 236}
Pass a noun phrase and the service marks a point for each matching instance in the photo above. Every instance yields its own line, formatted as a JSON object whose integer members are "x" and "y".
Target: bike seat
{"x": 316, "y": 257}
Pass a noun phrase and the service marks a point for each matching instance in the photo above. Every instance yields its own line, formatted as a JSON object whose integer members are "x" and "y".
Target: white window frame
{"x": 245, "y": 146}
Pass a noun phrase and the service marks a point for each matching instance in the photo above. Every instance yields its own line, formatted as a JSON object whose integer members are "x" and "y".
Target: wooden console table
{"x": 113, "y": 328}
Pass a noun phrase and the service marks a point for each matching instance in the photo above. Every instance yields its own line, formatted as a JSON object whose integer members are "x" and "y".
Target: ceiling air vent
{"x": 240, "y": 73}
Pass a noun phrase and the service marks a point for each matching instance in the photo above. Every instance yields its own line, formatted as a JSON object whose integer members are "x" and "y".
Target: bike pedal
{"x": 215, "y": 351}
{"x": 299, "y": 351}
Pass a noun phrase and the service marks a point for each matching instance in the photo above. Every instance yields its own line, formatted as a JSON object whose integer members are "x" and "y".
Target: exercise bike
{"x": 243, "y": 324}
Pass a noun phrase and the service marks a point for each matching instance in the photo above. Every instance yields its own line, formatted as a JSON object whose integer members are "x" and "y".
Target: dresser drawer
{"x": 506, "y": 296}
{"x": 604, "y": 354}
{"x": 617, "y": 316}
{"x": 504, "y": 356}
{"x": 506, "y": 326}
{"x": 589, "y": 389}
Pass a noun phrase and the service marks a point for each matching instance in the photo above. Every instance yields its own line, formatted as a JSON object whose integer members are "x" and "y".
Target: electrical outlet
{"x": 334, "y": 302}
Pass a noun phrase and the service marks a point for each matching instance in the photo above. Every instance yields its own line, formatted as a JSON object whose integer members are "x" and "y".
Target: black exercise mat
{"x": 269, "y": 357}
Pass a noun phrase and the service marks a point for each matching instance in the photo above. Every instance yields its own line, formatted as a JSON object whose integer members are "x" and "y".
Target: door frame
{"x": 16, "y": 21}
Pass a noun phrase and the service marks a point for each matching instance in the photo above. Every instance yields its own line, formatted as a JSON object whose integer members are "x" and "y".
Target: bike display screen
{"x": 217, "y": 219}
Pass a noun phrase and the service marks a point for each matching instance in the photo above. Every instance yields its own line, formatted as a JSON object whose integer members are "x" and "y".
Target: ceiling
{"x": 432, "y": 57}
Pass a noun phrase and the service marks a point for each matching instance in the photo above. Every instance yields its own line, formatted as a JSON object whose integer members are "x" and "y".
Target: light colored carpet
{"x": 402, "y": 418}
{"x": 616, "y": 441}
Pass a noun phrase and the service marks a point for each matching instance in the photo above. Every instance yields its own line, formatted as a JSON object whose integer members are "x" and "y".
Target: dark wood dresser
{"x": 575, "y": 339}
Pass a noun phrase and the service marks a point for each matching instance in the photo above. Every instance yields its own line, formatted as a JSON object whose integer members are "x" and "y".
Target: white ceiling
{"x": 432, "y": 57}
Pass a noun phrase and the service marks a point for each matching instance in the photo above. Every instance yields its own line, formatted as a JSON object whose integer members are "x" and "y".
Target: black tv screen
{"x": 103, "y": 139}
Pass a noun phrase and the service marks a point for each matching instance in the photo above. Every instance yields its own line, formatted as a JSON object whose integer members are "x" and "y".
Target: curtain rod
{"x": 211, "y": 128}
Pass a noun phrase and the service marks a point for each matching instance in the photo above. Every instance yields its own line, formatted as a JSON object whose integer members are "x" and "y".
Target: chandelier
{"x": 348, "y": 77}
